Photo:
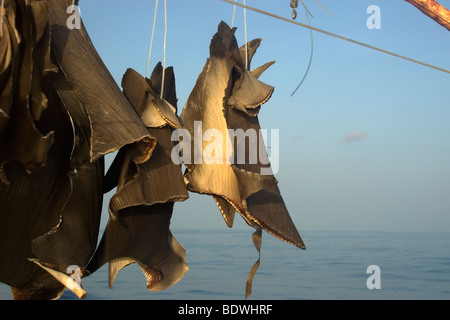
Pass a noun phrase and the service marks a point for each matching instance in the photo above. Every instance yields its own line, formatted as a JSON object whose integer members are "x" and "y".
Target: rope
{"x": 164, "y": 50}
{"x": 164, "y": 46}
{"x": 341, "y": 37}
{"x": 151, "y": 40}
{"x": 234, "y": 12}
{"x": 245, "y": 37}
{"x": 323, "y": 7}
{"x": 312, "y": 51}
{"x": 245, "y": 29}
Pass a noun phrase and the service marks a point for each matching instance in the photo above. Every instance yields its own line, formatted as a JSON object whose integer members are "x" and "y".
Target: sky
{"x": 365, "y": 141}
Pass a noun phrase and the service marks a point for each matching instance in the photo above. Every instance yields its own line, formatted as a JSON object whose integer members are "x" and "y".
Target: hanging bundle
{"x": 61, "y": 112}
{"x": 228, "y": 96}
{"x": 141, "y": 209}
{"x": 25, "y": 57}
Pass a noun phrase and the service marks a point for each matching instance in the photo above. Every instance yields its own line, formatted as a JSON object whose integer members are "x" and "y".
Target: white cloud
{"x": 352, "y": 136}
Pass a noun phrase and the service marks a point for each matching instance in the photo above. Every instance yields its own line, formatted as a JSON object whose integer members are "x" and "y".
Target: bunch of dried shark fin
{"x": 141, "y": 209}
{"x": 55, "y": 128}
{"x": 61, "y": 112}
{"x": 227, "y": 97}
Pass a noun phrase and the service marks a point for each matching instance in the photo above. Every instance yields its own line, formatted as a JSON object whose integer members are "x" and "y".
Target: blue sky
{"x": 394, "y": 177}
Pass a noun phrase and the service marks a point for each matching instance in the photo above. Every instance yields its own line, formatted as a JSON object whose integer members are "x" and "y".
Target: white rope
{"x": 245, "y": 37}
{"x": 151, "y": 40}
{"x": 234, "y": 12}
{"x": 164, "y": 46}
{"x": 164, "y": 54}
{"x": 245, "y": 30}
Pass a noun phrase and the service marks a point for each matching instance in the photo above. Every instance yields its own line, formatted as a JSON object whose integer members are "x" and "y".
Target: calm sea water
{"x": 413, "y": 266}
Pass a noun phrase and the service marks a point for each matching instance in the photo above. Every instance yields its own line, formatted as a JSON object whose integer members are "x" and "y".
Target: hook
{"x": 294, "y": 5}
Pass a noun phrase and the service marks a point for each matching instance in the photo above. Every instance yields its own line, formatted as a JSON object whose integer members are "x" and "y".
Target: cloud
{"x": 352, "y": 136}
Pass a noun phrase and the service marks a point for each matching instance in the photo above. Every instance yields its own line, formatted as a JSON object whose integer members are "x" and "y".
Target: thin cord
{"x": 311, "y": 54}
{"x": 323, "y": 7}
{"x": 164, "y": 55}
{"x": 234, "y": 12}
{"x": 245, "y": 37}
{"x": 245, "y": 30}
{"x": 340, "y": 37}
{"x": 151, "y": 40}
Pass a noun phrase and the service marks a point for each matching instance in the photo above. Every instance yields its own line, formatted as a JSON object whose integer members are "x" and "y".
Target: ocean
{"x": 334, "y": 266}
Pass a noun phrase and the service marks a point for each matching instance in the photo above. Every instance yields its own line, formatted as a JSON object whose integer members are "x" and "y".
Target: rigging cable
{"x": 340, "y": 37}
